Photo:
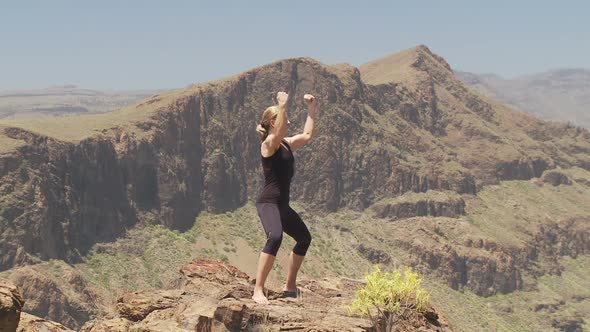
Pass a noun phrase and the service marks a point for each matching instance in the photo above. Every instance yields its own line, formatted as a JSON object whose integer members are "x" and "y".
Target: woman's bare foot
{"x": 259, "y": 297}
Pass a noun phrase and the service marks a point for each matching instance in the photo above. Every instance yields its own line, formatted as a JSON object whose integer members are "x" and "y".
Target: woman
{"x": 273, "y": 203}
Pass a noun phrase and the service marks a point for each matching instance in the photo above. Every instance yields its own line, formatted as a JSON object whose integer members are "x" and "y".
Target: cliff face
{"x": 59, "y": 198}
{"x": 196, "y": 149}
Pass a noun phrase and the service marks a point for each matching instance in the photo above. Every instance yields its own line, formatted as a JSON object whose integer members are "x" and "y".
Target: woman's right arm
{"x": 273, "y": 141}
{"x": 269, "y": 146}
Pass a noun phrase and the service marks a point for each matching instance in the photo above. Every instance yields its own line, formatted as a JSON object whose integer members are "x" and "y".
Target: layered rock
{"x": 416, "y": 205}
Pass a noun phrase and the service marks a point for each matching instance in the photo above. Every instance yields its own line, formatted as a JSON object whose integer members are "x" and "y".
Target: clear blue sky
{"x": 166, "y": 44}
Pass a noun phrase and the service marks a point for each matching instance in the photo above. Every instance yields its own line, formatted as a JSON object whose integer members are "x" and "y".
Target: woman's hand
{"x": 282, "y": 98}
{"x": 300, "y": 140}
{"x": 311, "y": 102}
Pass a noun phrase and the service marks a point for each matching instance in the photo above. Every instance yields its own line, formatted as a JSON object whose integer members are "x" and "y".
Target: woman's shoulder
{"x": 267, "y": 146}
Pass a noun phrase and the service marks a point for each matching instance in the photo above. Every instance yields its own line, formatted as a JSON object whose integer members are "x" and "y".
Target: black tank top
{"x": 278, "y": 170}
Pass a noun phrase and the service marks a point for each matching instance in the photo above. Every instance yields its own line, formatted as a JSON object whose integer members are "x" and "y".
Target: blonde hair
{"x": 270, "y": 113}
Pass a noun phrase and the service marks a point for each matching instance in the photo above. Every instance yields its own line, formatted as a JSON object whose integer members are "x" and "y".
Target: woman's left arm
{"x": 300, "y": 140}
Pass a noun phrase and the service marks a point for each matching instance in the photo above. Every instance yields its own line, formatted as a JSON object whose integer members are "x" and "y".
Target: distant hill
{"x": 66, "y": 100}
{"x": 562, "y": 94}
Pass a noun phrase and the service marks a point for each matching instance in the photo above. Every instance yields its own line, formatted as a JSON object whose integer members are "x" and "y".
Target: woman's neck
{"x": 274, "y": 133}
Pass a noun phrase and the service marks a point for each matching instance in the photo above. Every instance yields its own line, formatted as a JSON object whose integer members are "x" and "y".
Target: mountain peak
{"x": 421, "y": 48}
{"x": 402, "y": 66}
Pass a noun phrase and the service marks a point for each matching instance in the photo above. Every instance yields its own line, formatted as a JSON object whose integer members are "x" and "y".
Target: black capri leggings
{"x": 278, "y": 218}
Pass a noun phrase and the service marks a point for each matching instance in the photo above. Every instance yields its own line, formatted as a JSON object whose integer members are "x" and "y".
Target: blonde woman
{"x": 273, "y": 203}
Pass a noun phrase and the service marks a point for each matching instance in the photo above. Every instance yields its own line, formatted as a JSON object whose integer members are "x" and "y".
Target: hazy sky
{"x": 167, "y": 44}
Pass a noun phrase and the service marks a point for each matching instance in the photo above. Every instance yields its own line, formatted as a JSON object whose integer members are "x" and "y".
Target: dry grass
{"x": 392, "y": 68}
{"x": 503, "y": 211}
{"x": 76, "y": 128}
{"x": 8, "y": 144}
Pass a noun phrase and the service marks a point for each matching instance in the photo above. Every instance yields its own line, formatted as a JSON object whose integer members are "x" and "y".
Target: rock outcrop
{"x": 67, "y": 299}
{"x": 11, "y": 304}
{"x": 374, "y": 256}
{"x": 13, "y": 319}
{"x": 31, "y": 323}
{"x": 417, "y": 205}
{"x": 555, "y": 178}
{"x": 568, "y": 237}
{"x": 214, "y": 296}
{"x": 485, "y": 273}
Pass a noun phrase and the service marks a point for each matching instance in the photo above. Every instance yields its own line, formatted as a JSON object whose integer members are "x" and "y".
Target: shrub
{"x": 389, "y": 297}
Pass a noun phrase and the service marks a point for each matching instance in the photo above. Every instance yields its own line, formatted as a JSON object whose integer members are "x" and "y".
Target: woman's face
{"x": 285, "y": 125}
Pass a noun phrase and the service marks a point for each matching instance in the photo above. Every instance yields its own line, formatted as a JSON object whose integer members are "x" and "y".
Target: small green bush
{"x": 388, "y": 297}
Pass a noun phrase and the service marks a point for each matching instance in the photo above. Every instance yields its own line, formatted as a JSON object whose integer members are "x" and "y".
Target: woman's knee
{"x": 275, "y": 238}
{"x": 303, "y": 243}
{"x": 305, "y": 239}
{"x": 273, "y": 243}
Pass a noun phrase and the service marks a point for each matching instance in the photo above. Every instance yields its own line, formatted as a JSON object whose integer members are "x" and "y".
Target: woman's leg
{"x": 271, "y": 221}
{"x": 295, "y": 262}
{"x": 264, "y": 266}
{"x": 294, "y": 227}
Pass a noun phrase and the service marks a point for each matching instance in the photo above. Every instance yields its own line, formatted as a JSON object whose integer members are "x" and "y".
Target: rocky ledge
{"x": 211, "y": 295}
